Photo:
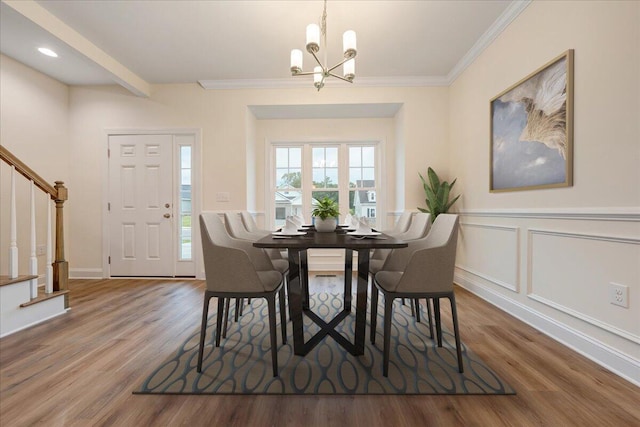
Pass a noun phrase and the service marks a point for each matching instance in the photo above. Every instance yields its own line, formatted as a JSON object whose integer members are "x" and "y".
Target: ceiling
{"x": 246, "y": 43}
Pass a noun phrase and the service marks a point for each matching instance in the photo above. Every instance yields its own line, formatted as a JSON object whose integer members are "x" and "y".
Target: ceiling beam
{"x": 50, "y": 23}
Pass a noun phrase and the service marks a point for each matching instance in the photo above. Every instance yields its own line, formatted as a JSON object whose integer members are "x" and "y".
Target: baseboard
{"x": 85, "y": 273}
{"x": 37, "y": 322}
{"x": 602, "y": 354}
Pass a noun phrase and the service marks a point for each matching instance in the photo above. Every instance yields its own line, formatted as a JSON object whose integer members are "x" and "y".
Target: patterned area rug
{"x": 242, "y": 364}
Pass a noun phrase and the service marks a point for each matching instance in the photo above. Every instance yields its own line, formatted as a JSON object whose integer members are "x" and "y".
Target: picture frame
{"x": 531, "y": 130}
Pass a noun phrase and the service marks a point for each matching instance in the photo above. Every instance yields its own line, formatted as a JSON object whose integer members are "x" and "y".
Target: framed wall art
{"x": 532, "y": 130}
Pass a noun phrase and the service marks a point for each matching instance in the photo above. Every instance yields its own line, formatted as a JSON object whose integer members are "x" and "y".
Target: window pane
{"x": 331, "y": 157}
{"x": 332, "y": 177}
{"x": 185, "y": 176}
{"x": 368, "y": 156}
{"x": 369, "y": 175}
{"x": 318, "y": 157}
{"x": 355, "y": 156}
{"x": 355, "y": 175}
{"x": 185, "y": 237}
{"x": 185, "y": 157}
{"x": 282, "y": 157}
{"x": 295, "y": 158}
{"x": 362, "y": 203}
{"x": 318, "y": 178}
{"x": 286, "y": 203}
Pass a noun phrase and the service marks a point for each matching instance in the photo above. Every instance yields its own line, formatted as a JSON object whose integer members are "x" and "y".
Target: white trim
{"x": 571, "y": 312}
{"x": 509, "y": 286}
{"x": 37, "y": 322}
{"x": 86, "y": 273}
{"x": 296, "y": 82}
{"x": 627, "y": 214}
{"x": 602, "y": 354}
{"x": 503, "y": 21}
{"x": 196, "y": 189}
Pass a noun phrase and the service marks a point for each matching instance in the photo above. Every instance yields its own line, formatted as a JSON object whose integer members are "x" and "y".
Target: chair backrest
{"x": 418, "y": 228}
{"x": 230, "y": 265}
{"x": 236, "y": 227}
{"x": 403, "y": 223}
{"x": 432, "y": 263}
{"x": 249, "y": 222}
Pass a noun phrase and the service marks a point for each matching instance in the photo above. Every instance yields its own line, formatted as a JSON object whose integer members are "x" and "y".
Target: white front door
{"x": 141, "y": 205}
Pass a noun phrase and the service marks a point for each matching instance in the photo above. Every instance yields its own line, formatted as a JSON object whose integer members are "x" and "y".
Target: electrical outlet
{"x": 619, "y": 295}
{"x": 41, "y": 250}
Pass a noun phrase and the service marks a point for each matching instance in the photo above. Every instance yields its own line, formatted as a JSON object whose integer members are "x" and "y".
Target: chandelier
{"x": 322, "y": 71}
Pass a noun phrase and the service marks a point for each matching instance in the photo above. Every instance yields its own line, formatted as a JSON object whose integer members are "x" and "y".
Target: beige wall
{"x": 34, "y": 112}
{"x": 232, "y": 140}
{"x": 548, "y": 256}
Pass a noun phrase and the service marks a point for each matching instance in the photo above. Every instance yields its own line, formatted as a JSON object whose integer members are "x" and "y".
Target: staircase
{"x": 23, "y": 302}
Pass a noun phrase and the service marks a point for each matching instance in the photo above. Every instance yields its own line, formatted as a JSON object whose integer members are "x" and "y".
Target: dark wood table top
{"x": 336, "y": 239}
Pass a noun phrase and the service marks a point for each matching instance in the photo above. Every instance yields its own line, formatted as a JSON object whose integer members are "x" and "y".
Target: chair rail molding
{"x": 627, "y": 214}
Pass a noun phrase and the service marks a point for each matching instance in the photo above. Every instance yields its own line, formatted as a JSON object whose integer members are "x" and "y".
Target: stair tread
{"x": 43, "y": 297}
{"x": 6, "y": 280}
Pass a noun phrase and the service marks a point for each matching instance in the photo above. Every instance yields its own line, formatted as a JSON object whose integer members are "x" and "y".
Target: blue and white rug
{"x": 242, "y": 364}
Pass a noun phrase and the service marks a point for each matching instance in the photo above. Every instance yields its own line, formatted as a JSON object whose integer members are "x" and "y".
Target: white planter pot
{"x": 326, "y": 225}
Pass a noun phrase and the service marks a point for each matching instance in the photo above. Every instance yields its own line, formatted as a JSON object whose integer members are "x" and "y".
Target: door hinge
{"x": 108, "y": 153}
{"x": 109, "y": 206}
{"x": 109, "y": 259}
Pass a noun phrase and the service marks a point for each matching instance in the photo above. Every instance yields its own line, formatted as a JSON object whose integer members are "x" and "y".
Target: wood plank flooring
{"x": 80, "y": 368}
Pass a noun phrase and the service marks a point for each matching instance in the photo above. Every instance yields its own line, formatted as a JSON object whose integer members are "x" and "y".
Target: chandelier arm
{"x": 337, "y": 65}
{"x": 317, "y": 60}
{"x": 340, "y": 77}
{"x": 306, "y": 73}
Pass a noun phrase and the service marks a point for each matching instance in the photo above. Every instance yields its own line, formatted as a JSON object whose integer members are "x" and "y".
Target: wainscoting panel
{"x": 490, "y": 252}
{"x": 572, "y": 272}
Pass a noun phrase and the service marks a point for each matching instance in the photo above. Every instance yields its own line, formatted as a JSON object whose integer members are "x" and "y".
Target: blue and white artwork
{"x": 529, "y": 132}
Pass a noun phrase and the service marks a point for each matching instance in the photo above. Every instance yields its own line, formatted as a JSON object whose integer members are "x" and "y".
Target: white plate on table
{"x": 282, "y": 233}
{"x": 358, "y": 233}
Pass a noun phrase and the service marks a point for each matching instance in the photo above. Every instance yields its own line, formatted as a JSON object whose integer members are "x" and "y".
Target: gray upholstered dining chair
{"x": 401, "y": 225}
{"x": 426, "y": 273}
{"x": 236, "y": 269}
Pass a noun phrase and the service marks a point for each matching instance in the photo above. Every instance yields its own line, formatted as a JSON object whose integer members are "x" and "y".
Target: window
{"x": 184, "y": 250}
{"x": 344, "y": 172}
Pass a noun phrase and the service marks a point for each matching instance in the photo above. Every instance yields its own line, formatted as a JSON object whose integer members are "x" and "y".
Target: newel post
{"x": 60, "y": 266}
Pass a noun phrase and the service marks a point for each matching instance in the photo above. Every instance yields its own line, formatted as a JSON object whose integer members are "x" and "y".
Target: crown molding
{"x": 503, "y": 21}
{"x": 411, "y": 81}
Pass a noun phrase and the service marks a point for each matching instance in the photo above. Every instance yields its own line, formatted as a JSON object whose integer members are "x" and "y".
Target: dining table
{"x": 297, "y": 281}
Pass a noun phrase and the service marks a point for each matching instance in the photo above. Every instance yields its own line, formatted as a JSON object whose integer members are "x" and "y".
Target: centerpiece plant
{"x": 325, "y": 212}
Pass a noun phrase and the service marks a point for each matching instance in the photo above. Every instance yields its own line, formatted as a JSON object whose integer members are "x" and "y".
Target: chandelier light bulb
{"x": 349, "y": 44}
{"x": 296, "y": 61}
{"x": 313, "y": 38}
{"x": 349, "y": 69}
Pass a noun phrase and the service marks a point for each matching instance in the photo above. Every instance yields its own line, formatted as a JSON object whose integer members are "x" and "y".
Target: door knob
{"x": 167, "y": 215}
{"x": 167, "y": 205}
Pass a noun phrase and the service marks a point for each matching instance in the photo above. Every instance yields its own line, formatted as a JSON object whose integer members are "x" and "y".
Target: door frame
{"x": 196, "y": 189}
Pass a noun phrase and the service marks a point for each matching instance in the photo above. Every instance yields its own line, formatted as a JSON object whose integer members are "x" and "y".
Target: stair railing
{"x": 56, "y": 273}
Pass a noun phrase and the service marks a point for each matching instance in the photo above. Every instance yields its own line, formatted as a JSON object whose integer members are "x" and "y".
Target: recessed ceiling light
{"x": 48, "y": 52}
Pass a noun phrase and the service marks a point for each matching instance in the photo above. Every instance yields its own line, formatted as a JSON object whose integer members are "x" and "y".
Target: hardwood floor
{"x": 80, "y": 368}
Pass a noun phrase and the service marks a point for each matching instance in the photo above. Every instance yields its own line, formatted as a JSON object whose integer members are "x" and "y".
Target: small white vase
{"x": 325, "y": 225}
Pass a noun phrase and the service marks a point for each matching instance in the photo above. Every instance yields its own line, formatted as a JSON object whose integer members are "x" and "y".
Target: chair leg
{"x": 237, "y": 312}
{"x": 241, "y": 305}
{"x": 283, "y": 315}
{"x": 226, "y": 316}
{"x": 388, "y": 314}
{"x": 203, "y": 330}
{"x": 413, "y": 309}
{"x": 417, "y": 304}
{"x": 456, "y": 331}
{"x": 429, "y": 314}
{"x": 374, "y": 312}
{"x": 436, "y": 309}
{"x": 219, "y": 320}
{"x": 271, "y": 301}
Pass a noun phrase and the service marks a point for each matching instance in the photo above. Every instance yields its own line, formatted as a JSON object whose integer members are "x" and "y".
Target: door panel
{"x": 141, "y": 197}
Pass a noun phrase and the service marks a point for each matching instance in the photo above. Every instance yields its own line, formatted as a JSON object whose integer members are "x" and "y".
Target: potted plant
{"x": 326, "y": 214}
{"x": 437, "y": 193}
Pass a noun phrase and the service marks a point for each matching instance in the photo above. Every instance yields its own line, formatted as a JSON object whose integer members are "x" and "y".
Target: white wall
{"x": 548, "y": 256}
{"x": 34, "y": 112}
